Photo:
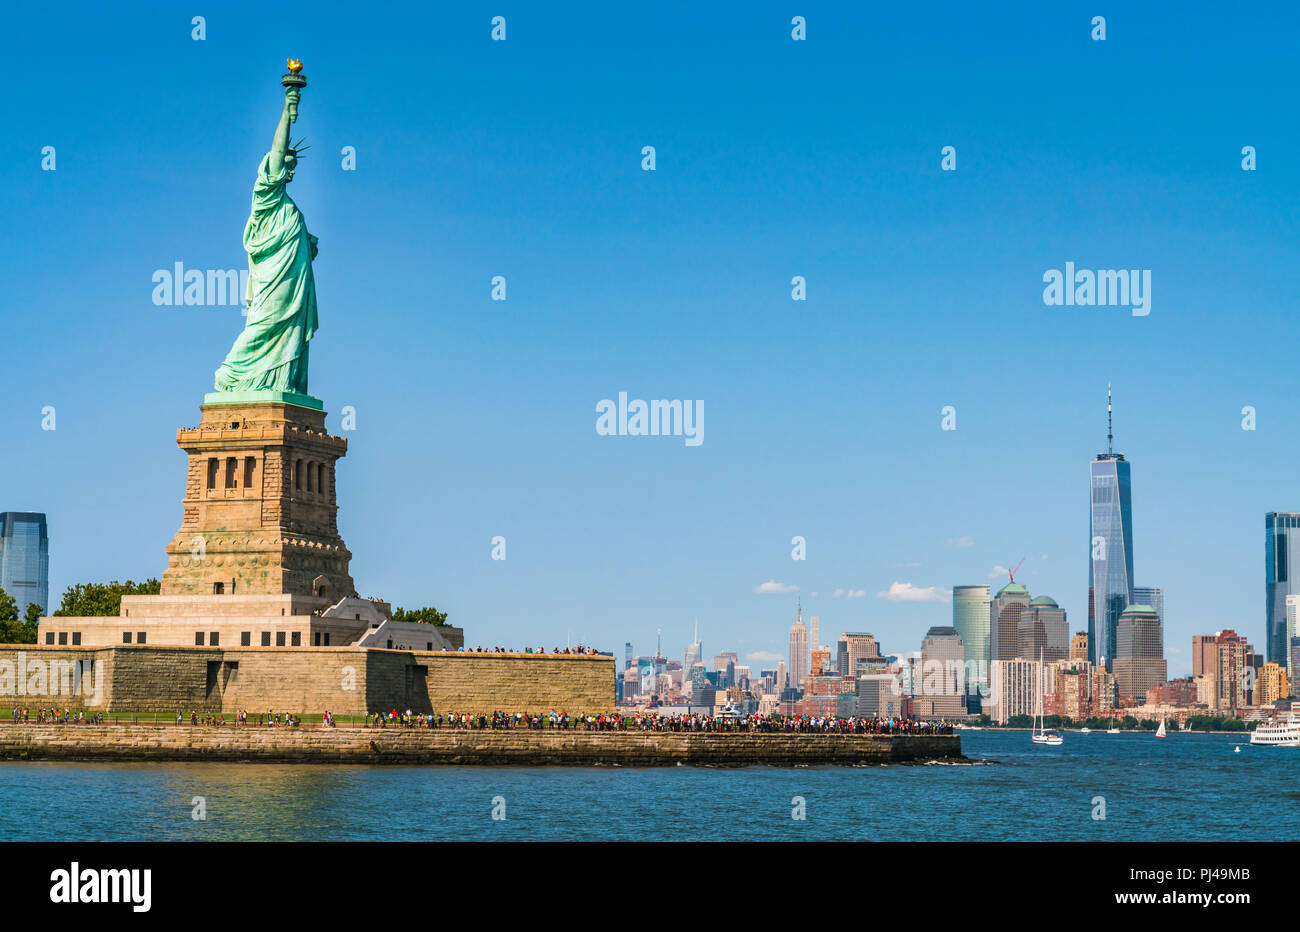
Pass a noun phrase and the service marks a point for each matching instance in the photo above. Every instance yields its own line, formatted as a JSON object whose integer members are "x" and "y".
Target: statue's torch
{"x": 295, "y": 78}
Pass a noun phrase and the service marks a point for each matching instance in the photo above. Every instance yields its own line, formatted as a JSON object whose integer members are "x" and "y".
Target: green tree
{"x": 13, "y": 631}
{"x": 427, "y": 616}
{"x": 85, "y": 599}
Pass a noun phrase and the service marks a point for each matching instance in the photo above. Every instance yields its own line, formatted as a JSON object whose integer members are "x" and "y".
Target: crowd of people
{"x": 649, "y": 721}
{"x": 578, "y": 649}
{"x": 55, "y": 717}
{"x": 242, "y": 717}
{"x": 638, "y": 721}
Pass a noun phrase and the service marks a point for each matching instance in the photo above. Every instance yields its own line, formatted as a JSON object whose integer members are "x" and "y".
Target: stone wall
{"x": 302, "y": 680}
{"x": 446, "y": 746}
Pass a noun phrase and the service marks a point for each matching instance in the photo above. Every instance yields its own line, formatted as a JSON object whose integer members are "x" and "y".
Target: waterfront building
{"x": 25, "y": 559}
{"x": 1181, "y": 692}
{"x": 1271, "y": 685}
{"x": 1294, "y": 657}
{"x": 1222, "y": 660}
{"x": 1281, "y": 578}
{"x": 1079, "y": 646}
{"x": 1014, "y": 686}
{"x": 1139, "y": 662}
{"x": 879, "y": 696}
{"x": 1005, "y": 611}
{"x": 1110, "y": 546}
{"x": 971, "y": 617}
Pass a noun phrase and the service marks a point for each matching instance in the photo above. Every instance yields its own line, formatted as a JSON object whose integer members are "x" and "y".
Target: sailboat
{"x": 1160, "y": 732}
{"x": 1041, "y": 736}
{"x": 1112, "y": 730}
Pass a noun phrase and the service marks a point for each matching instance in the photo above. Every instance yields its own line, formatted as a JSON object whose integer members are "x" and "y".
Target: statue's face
{"x": 290, "y": 164}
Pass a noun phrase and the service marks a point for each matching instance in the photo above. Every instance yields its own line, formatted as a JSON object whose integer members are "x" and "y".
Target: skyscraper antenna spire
{"x": 1109, "y": 434}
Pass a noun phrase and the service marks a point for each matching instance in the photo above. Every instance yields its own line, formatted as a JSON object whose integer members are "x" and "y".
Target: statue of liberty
{"x": 271, "y": 352}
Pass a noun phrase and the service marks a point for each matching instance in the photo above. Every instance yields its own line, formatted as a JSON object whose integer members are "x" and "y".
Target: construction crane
{"x": 1012, "y": 573}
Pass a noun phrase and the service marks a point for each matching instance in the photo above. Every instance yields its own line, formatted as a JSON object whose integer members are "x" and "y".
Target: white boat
{"x": 1085, "y": 730}
{"x": 1237, "y": 749}
{"x": 1278, "y": 733}
{"x": 1160, "y": 732}
{"x": 1040, "y": 735}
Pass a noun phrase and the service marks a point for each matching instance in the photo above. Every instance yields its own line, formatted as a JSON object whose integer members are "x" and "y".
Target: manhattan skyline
{"x": 924, "y": 290}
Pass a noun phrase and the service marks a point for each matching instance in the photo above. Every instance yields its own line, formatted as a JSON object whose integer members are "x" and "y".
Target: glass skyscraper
{"x": 1281, "y": 566}
{"x": 970, "y": 616}
{"x": 1110, "y": 548}
{"x": 25, "y": 559}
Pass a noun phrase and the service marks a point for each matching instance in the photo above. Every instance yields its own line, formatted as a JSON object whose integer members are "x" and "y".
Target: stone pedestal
{"x": 260, "y": 513}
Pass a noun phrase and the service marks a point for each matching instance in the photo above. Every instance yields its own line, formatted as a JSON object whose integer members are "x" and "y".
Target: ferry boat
{"x": 1280, "y": 732}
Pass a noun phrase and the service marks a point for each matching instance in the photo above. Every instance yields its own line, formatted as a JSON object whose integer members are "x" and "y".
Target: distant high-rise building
{"x": 1016, "y": 688}
{"x": 852, "y": 647}
{"x": 1272, "y": 684}
{"x": 1139, "y": 662}
{"x": 970, "y": 616}
{"x": 1079, "y": 646}
{"x": 1110, "y": 546}
{"x": 798, "y": 650}
{"x": 627, "y": 655}
{"x": 814, "y": 633}
{"x": 1004, "y": 611}
{"x": 1153, "y": 596}
{"x": 1044, "y": 631}
{"x": 821, "y": 662}
{"x": 25, "y": 559}
{"x": 940, "y": 689}
{"x": 1204, "y": 657}
{"x": 1292, "y": 631}
{"x": 694, "y": 652}
{"x": 1281, "y": 578}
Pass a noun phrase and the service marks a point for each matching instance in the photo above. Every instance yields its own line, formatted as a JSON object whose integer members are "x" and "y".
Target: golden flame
{"x": 294, "y": 65}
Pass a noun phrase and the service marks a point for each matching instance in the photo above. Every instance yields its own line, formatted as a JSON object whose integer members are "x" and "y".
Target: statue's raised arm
{"x": 280, "y": 145}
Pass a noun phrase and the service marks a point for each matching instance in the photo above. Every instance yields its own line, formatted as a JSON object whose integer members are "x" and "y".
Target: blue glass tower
{"x": 25, "y": 559}
{"x": 1281, "y": 578}
{"x": 1110, "y": 547}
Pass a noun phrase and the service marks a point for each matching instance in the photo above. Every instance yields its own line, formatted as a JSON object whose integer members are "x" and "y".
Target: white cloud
{"x": 773, "y": 587}
{"x": 849, "y": 593}
{"x": 763, "y": 656}
{"x": 961, "y": 542}
{"x": 906, "y": 566}
{"x": 906, "y": 592}
{"x": 998, "y": 570}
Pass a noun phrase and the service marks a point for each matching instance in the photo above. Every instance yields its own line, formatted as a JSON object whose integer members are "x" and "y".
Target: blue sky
{"x": 775, "y": 158}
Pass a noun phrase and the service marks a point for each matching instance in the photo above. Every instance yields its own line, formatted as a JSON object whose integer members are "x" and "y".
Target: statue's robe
{"x": 271, "y": 351}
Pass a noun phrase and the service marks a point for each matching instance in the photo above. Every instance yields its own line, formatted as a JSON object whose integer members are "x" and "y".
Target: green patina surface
{"x": 263, "y": 395}
{"x": 271, "y": 352}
